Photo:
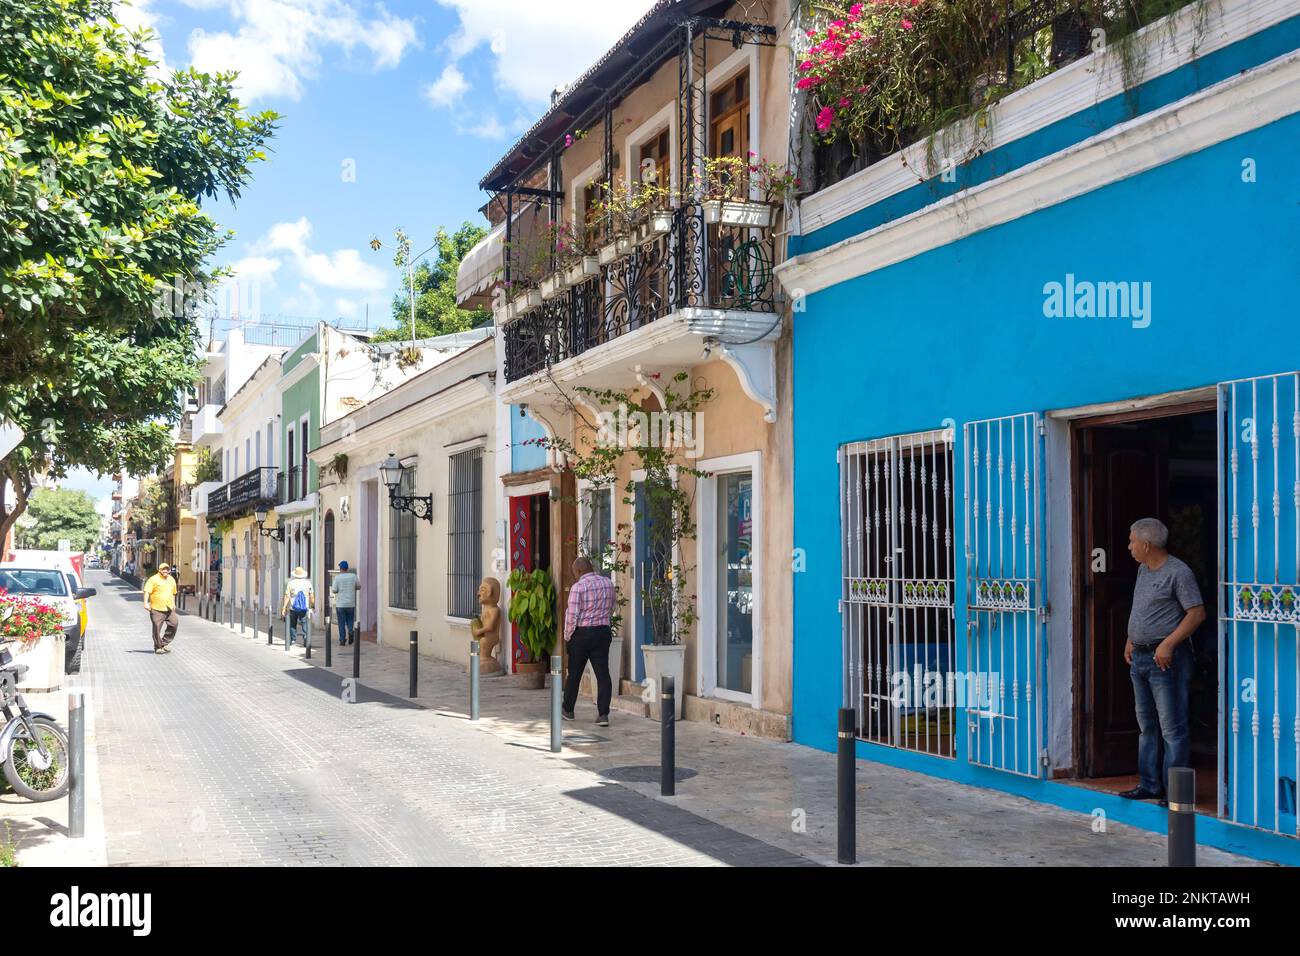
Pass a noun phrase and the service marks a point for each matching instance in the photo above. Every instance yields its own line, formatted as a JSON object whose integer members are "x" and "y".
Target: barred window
{"x": 401, "y": 539}
{"x": 464, "y": 532}
{"x": 597, "y": 513}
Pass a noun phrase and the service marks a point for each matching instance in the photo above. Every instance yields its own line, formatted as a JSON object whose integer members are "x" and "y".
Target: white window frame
{"x": 585, "y": 486}
{"x": 633, "y": 619}
{"x": 746, "y": 56}
{"x": 707, "y": 646}
{"x": 666, "y": 118}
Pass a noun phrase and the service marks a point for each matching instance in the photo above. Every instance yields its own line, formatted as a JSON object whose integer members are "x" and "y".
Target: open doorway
{"x": 1162, "y": 464}
{"x": 530, "y": 549}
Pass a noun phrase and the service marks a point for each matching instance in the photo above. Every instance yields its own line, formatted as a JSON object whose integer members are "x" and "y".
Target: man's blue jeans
{"x": 346, "y": 617}
{"x": 299, "y": 624}
{"x": 1161, "y": 697}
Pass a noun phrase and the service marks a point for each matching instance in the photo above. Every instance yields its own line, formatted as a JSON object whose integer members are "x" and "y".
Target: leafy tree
{"x": 436, "y": 312}
{"x": 104, "y": 250}
{"x": 56, "y": 513}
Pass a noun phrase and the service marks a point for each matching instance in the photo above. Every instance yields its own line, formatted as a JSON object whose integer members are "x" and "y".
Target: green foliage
{"x": 151, "y": 503}
{"x": 56, "y": 513}
{"x": 436, "y": 312}
{"x": 532, "y": 610}
{"x": 8, "y": 848}
{"x": 207, "y": 466}
{"x": 104, "y": 250}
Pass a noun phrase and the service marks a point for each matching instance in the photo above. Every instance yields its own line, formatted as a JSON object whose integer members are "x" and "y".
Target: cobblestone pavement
{"x": 228, "y": 752}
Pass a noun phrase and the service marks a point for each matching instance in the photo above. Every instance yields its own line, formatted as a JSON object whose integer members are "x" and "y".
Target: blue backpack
{"x": 299, "y": 600}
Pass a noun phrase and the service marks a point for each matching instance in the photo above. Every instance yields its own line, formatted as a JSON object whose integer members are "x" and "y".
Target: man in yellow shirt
{"x": 160, "y": 599}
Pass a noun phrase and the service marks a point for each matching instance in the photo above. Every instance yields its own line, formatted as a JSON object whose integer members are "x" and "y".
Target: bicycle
{"x": 33, "y": 748}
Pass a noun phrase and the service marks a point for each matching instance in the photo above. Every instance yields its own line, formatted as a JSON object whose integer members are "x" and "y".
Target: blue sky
{"x": 392, "y": 112}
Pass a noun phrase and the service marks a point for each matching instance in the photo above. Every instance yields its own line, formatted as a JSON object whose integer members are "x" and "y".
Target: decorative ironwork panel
{"x": 1004, "y": 593}
{"x": 1259, "y": 663}
{"x": 896, "y": 514}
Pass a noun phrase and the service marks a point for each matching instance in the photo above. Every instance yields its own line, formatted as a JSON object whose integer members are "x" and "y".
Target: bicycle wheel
{"x": 32, "y": 775}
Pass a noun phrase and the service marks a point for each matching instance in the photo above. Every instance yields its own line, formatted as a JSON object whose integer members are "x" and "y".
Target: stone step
{"x": 630, "y": 704}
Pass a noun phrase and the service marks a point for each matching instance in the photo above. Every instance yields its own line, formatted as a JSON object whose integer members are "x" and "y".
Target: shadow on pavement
{"x": 682, "y": 826}
{"x": 332, "y": 684}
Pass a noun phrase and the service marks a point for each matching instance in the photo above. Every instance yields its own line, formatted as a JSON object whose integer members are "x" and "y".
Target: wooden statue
{"x": 486, "y": 628}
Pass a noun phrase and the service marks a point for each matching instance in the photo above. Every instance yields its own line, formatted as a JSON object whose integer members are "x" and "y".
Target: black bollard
{"x": 668, "y": 739}
{"x": 846, "y": 788}
{"x": 1182, "y": 816}
{"x": 329, "y": 639}
{"x": 243, "y": 615}
{"x": 356, "y": 655}
{"x": 415, "y": 660}
{"x": 270, "y": 626}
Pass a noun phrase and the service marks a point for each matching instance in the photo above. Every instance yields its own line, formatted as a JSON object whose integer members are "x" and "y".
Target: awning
{"x": 481, "y": 267}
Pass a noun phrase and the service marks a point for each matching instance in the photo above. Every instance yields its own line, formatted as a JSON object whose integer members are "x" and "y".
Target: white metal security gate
{"x": 1259, "y": 666}
{"x": 896, "y": 520}
{"x": 1005, "y": 600}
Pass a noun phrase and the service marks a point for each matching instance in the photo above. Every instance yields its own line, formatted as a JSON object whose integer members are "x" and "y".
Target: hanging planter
{"x": 755, "y": 215}
{"x": 582, "y": 269}
{"x": 553, "y": 285}
{"x": 625, "y": 245}
{"x": 659, "y": 224}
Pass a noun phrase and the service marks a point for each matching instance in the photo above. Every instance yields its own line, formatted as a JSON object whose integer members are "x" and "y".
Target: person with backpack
{"x": 299, "y": 600}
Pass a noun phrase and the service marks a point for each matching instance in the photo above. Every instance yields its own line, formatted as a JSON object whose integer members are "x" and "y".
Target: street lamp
{"x": 259, "y": 515}
{"x": 419, "y": 505}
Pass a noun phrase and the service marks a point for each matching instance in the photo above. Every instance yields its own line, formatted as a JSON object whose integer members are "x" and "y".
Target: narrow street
{"x": 227, "y": 752}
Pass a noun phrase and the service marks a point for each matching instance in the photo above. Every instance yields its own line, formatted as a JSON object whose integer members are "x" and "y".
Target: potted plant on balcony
{"x": 655, "y": 204}
{"x": 617, "y": 209}
{"x": 575, "y": 254}
{"x": 726, "y": 183}
{"x": 553, "y": 281}
{"x": 532, "y": 610}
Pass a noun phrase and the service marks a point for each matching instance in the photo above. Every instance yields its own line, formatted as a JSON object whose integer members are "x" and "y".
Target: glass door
{"x": 734, "y": 599}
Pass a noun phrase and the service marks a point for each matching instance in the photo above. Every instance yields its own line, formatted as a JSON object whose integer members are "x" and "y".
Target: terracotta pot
{"x": 532, "y": 674}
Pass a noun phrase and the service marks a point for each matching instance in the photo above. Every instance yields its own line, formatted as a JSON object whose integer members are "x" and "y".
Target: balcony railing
{"x": 293, "y": 485}
{"x": 238, "y": 497}
{"x": 693, "y": 265}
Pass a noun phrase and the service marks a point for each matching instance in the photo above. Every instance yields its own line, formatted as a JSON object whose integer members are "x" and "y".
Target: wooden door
{"x": 1126, "y": 474}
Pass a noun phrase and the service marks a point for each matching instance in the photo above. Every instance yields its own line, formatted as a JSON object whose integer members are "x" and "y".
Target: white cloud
{"x": 540, "y": 45}
{"x": 489, "y": 127}
{"x": 347, "y": 308}
{"x": 448, "y": 88}
{"x": 341, "y": 269}
{"x": 281, "y": 43}
{"x": 137, "y": 15}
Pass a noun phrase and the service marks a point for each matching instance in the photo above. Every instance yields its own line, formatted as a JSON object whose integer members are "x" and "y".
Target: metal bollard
{"x": 243, "y": 613}
{"x": 556, "y": 733}
{"x": 270, "y": 626}
{"x": 1182, "y": 816}
{"x": 203, "y": 606}
{"x": 329, "y": 639}
{"x": 356, "y": 655}
{"x": 668, "y": 738}
{"x": 306, "y": 647}
{"x": 473, "y": 679}
{"x": 414, "y": 665}
{"x": 288, "y": 634}
{"x": 77, "y": 766}
{"x": 846, "y": 788}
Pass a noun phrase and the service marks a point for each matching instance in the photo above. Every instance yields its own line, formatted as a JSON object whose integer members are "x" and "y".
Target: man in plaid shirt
{"x": 587, "y": 631}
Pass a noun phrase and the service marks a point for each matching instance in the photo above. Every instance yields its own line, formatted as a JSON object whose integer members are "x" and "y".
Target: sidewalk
{"x": 780, "y": 793}
{"x": 39, "y": 831}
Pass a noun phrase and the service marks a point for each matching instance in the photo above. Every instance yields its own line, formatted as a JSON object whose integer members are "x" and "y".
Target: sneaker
{"x": 158, "y": 650}
{"x": 602, "y": 720}
{"x": 165, "y": 650}
{"x": 567, "y": 714}
{"x": 1140, "y": 793}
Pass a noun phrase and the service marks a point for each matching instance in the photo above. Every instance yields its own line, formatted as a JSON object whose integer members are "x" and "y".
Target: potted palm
{"x": 532, "y": 610}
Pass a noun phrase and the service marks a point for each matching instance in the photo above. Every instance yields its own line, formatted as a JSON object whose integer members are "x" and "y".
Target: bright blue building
{"x": 1093, "y": 321}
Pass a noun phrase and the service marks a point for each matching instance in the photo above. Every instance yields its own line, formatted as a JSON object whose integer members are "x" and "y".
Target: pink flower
{"x": 825, "y": 118}
{"x": 844, "y": 101}
{"x": 806, "y": 65}
{"x": 907, "y": 24}
{"x": 855, "y": 11}
{"x": 568, "y": 140}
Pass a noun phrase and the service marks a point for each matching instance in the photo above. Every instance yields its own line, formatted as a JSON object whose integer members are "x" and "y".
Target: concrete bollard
{"x": 846, "y": 769}
{"x": 667, "y": 738}
{"x": 1182, "y": 816}
{"x": 77, "y": 766}
{"x": 473, "y": 679}
{"x": 557, "y": 737}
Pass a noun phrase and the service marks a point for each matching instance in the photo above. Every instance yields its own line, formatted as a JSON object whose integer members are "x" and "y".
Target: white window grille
{"x": 897, "y": 604}
{"x": 1005, "y": 609}
{"x": 1259, "y": 610}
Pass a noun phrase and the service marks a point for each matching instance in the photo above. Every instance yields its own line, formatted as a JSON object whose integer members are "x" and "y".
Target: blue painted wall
{"x": 525, "y": 428}
{"x": 959, "y": 333}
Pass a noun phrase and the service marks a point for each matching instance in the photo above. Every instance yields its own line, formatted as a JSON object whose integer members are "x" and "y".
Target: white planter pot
{"x": 608, "y": 253}
{"x": 531, "y": 299}
{"x": 615, "y": 668}
{"x": 45, "y": 662}
{"x": 660, "y": 224}
{"x": 586, "y": 267}
{"x": 553, "y": 285}
{"x": 756, "y": 215}
{"x": 666, "y": 660}
{"x": 625, "y": 245}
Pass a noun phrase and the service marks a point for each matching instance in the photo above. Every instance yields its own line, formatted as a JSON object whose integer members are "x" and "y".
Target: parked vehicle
{"x": 33, "y": 748}
{"x": 52, "y": 575}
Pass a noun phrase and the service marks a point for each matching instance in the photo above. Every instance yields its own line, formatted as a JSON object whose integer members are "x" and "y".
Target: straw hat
{"x": 300, "y": 572}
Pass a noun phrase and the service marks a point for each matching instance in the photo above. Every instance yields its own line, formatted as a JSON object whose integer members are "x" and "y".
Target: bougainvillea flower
{"x": 825, "y": 118}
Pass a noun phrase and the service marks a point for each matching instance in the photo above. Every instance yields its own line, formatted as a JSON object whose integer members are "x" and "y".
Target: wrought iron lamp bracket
{"x": 419, "y": 505}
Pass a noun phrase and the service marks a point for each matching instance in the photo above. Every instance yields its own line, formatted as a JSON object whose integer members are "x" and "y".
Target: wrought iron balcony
{"x": 694, "y": 265}
{"x": 237, "y": 498}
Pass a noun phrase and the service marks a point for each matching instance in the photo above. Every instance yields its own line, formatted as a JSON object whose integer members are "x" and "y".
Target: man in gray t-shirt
{"x": 344, "y": 590}
{"x": 1167, "y": 609}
